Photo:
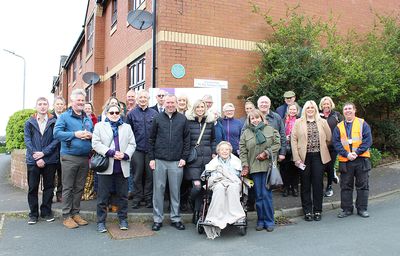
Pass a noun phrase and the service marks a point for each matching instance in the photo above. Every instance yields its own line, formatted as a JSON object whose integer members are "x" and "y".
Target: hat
{"x": 228, "y": 106}
{"x": 289, "y": 94}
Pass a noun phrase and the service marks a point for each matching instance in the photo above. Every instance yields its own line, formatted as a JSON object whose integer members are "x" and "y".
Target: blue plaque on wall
{"x": 178, "y": 71}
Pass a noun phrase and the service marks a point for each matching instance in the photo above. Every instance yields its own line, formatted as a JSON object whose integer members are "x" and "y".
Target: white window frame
{"x": 114, "y": 13}
{"x": 137, "y": 73}
{"x": 89, "y": 94}
{"x": 90, "y": 35}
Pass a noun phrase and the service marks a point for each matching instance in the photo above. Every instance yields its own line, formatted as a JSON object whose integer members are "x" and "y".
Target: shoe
{"x": 149, "y": 205}
{"x": 78, "y": 219}
{"x": 183, "y": 207}
{"x": 259, "y": 228}
{"x": 123, "y": 225}
{"x": 101, "y": 227}
{"x": 156, "y": 226}
{"x": 329, "y": 191}
{"x": 295, "y": 193}
{"x": 270, "y": 229}
{"x": 317, "y": 216}
{"x": 250, "y": 207}
{"x": 70, "y": 223}
{"x": 363, "y": 214}
{"x": 49, "y": 218}
{"x": 178, "y": 225}
{"x": 335, "y": 177}
{"x": 32, "y": 220}
{"x": 344, "y": 214}
{"x": 285, "y": 192}
{"x": 135, "y": 205}
{"x": 308, "y": 217}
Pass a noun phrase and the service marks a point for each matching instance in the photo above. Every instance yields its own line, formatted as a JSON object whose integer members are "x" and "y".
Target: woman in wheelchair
{"x": 222, "y": 174}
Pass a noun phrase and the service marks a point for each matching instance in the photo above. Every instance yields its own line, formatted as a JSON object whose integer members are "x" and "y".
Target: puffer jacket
{"x": 206, "y": 147}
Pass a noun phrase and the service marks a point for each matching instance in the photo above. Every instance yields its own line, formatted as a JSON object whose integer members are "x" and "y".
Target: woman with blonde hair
{"x": 310, "y": 138}
{"x": 183, "y": 104}
{"x": 327, "y": 106}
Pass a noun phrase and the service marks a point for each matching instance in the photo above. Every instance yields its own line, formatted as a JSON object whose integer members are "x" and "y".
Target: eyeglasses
{"x": 113, "y": 113}
{"x": 161, "y": 95}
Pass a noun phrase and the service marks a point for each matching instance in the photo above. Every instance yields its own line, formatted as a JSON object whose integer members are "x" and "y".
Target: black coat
{"x": 169, "y": 137}
{"x": 204, "y": 150}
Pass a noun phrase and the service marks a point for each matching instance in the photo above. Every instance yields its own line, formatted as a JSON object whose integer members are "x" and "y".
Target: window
{"x": 90, "y": 35}
{"x": 75, "y": 70}
{"x": 114, "y": 85}
{"x": 135, "y": 4}
{"x": 137, "y": 73}
{"x": 89, "y": 93}
{"x": 114, "y": 13}
{"x": 80, "y": 58}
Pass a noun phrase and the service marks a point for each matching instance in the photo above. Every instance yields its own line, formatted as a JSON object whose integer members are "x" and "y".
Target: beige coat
{"x": 299, "y": 138}
{"x": 103, "y": 140}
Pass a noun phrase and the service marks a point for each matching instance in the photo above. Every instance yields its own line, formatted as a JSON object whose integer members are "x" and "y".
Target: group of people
{"x": 151, "y": 149}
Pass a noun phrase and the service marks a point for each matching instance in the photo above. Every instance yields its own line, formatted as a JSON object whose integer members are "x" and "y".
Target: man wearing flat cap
{"x": 290, "y": 99}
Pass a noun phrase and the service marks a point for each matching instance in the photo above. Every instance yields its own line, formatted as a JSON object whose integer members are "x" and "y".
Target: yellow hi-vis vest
{"x": 356, "y": 138}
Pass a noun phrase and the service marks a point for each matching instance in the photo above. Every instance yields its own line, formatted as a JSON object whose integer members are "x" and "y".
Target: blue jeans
{"x": 264, "y": 206}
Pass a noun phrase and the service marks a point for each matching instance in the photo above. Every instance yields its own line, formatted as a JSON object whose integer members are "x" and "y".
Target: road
{"x": 377, "y": 235}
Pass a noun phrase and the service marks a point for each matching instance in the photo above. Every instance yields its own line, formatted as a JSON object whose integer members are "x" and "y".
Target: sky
{"x": 39, "y": 31}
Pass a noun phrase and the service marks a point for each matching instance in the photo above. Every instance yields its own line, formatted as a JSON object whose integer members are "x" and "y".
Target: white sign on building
{"x": 204, "y": 83}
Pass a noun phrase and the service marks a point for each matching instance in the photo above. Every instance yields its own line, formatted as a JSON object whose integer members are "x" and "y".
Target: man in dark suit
{"x": 159, "y": 107}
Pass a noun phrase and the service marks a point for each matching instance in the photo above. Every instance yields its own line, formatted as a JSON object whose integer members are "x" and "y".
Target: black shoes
{"x": 178, "y": 225}
{"x": 285, "y": 192}
{"x": 259, "y": 228}
{"x": 270, "y": 229}
{"x": 156, "y": 226}
{"x": 308, "y": 217}
{"x": 317, "y": 216}
{"x": 363, "y": 214}
{"x": 344, "y": 214}
{"x": 32, "y": 220}
{"x": 294, "y": 192}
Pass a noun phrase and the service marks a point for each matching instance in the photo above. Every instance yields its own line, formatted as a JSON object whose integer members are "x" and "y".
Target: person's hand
{"x": 88, "y": 135}
{"x": 118, "y": 155}
{"x": 37, "y": 155}
{"x": 181, "y": 163}
{"x": 262, "y": 156}
{"x": 352, "y": 156}
{"x": 297, "y": 163}
{"x": 245, "y": 171}
{"x": 40, "y": 163}
{"x": 80, "y": 134}
{"x": 152, "y": 164}
{"x": 281, "y": 158}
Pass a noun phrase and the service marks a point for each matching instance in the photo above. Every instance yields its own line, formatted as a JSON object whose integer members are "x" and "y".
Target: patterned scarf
{"x": 258, "y": 131}
{"x": 114, "y": 125}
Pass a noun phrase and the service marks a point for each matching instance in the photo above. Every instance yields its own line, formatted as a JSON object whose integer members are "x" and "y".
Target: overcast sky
{"x": 40, "y": 31}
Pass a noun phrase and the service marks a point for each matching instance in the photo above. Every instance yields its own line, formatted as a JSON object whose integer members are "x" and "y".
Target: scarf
{"x": 114, "y": 125}
{"x": 258, "y": 131}
{"x": 289, "y": 123}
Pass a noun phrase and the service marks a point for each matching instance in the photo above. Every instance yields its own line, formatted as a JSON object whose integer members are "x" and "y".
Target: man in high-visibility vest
{"x": 352, "y": 139}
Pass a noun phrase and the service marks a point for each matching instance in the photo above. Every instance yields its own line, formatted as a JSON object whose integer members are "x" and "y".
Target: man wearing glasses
{"x": 159, "y": 107}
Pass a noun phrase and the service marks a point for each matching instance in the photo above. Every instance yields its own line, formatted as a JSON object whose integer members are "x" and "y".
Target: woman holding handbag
{"x": 310, "y": 138}
{"x": 255, "y": 143}
{"x": 113, "y": 138}
{"x": 202, "y": 140}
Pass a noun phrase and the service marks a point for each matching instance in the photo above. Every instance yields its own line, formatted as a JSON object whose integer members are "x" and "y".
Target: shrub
{"x": 376, "y": 157}
{"x": 15, "y": 129}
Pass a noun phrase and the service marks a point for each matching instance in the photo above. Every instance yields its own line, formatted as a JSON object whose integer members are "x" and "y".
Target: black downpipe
{"x": 154, "y": 52}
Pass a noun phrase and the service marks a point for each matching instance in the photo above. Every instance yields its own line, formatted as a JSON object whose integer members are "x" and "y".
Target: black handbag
{"x": 99, "y": 163}
{"x": 193, "y": 152}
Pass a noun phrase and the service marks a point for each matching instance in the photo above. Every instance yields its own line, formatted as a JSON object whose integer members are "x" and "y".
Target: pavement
{"x": 384, "y": 181}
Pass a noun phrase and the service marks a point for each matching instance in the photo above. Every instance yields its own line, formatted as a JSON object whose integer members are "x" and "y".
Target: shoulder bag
{"x": 193, "y": 152}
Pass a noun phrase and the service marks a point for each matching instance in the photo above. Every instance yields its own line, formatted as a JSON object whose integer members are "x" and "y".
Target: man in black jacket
{"x": 169, "y": 149}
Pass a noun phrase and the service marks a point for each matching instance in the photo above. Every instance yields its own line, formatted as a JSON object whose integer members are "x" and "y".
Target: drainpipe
{"x": 153, "y": 50}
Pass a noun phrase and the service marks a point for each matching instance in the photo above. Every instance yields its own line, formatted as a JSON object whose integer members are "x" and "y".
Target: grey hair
{"x": 224, "y": 143}
{"x": 264, "y": 96}
{"x": 142, "y": 92}
{"x": 59, "y": 98}
{"x": 77, "y": 92}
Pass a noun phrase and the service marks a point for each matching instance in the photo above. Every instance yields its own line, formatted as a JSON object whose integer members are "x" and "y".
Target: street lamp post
{"x": 23, "y": 88}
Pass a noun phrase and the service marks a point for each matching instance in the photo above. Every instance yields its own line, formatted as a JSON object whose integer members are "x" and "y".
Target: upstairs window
{"x": 135, "y": 4}
{"x": 89, "y": 35}
{"x": 89, "y": 94}
{"x": 75, "y": 70}
{"x": 114, "y": 13}
{"x": 114, "y": 85}
{"x": 137, "y": 74}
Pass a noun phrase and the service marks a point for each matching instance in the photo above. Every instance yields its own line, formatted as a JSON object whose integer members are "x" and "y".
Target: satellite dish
{"x": 91, "y": 78}
{"x": 140, "y": 19}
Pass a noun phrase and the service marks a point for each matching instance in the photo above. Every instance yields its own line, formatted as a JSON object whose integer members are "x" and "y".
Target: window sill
{"x": 89, "y": 55}
{"x": 113, "y": 29}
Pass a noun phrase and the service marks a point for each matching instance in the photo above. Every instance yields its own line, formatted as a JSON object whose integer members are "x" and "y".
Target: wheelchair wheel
{"x": 243, "y": 230}
{"x": 200, "y": 228}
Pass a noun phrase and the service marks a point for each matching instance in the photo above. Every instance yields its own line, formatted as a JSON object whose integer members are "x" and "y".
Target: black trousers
{"x": 354, "y": 173}
{"x": 142, "y": 178}
{"x": 105, "y": 187}
{"x": 312, "y": 183}
{"x": 329, "y": 167}
{"x": 34, "y": 174}
{"x": 289, "y": 173}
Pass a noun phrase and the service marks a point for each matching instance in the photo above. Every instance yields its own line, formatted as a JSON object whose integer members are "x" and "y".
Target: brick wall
{"x": 18, "y": 169}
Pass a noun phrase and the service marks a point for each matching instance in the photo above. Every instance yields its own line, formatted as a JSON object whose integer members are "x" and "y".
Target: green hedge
{"x": 15, "y": 129}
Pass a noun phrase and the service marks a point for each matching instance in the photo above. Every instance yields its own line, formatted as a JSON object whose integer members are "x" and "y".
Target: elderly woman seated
{"x": 225, "y": 208}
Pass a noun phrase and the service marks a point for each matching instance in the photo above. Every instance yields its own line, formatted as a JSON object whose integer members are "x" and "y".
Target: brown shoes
{"x": 78, "y": 220}
{"x": 70, "y": 223}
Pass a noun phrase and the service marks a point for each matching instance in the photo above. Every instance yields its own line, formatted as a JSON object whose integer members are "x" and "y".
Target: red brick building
{"x": 213, "y": 40}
